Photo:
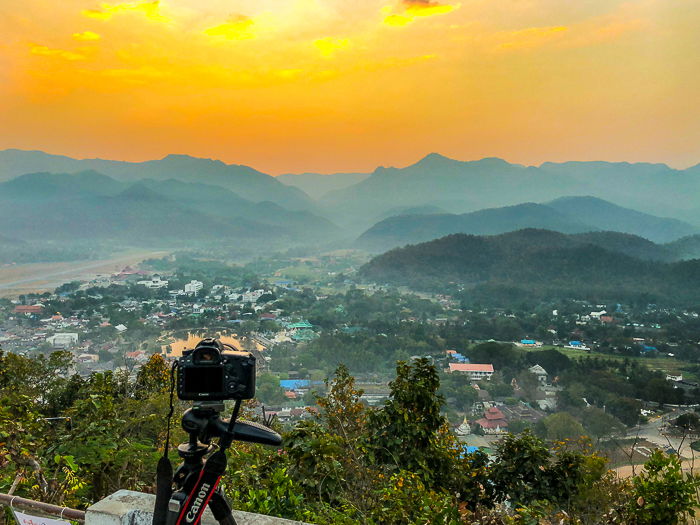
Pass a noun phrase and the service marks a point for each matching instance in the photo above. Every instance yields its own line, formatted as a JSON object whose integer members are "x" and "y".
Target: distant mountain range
{"x": 536, "y": 265}
{"x": 566, "y": 215}
{"x": 91, "y": 205}
{"x": 244, "y": 181}
{"x": 460, "y": 187}
{"x": 317, "y": 185}
{"x": 393, "y": 206}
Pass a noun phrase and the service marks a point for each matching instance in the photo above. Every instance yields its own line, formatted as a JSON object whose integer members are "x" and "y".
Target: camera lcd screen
{"x": 204, "y": 380}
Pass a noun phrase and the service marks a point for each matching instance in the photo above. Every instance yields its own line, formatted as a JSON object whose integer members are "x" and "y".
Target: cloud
{"x": 238, "y": 27}
{"x": 151, "y": 10}
{"x": 328, "y": 46}
{"x": 529, "y": 38}
{"x": 409, "y": 10}
{"x": 86, "y": 36}
{"x": 36, "y": 49}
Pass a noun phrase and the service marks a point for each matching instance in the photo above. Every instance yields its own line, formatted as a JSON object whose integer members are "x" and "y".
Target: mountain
{"x": 410, "y": 210}
{"x": 92, "y": 205}
{"x": 685, "y": 248}
{"x": 409, "y": 229}
{"x": 628, "y": 244}
{"x": 605, "y": 215}
{"x": 247, "y": 182}
{"x": 567, "y": 215}
{"x": 459, "y": 187}
{"x": 533, "y": 265}
{"x": 316, "y": 185}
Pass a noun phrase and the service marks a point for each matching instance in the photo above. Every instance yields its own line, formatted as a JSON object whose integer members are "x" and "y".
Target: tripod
{"x": 196, "y": 479}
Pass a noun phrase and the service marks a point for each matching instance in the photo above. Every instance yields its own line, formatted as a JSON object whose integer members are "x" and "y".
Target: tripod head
{"x": 203, "y": 423}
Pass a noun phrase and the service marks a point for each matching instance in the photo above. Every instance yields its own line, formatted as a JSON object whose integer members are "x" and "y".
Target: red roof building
{"x": 476, "y": 372}
{"x": 493, "y": 421}
{"x": 28, "y": 309}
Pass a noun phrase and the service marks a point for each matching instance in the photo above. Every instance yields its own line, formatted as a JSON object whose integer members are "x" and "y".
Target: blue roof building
{"x": 294, "y": 384}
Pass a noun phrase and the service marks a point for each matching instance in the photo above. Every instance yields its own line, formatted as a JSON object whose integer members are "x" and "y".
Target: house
{"x": 63, "y": 341}
{"x": 28, "y": 309}
{"x": 540, "y": 373}
{"x": 576, "y": 345}
{"x": 476, "y": 372}
{"x": 153, "y": 283}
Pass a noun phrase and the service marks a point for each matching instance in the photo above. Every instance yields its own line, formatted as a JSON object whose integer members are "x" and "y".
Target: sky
{"x": 348, "y": 85}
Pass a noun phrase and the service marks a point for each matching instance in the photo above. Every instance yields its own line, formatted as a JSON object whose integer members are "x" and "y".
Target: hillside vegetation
{"x": 534, "y": 265}
{"x": 351, "y": 464}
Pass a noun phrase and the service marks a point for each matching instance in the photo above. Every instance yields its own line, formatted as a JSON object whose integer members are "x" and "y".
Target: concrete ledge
{"x": 126, "y": 507}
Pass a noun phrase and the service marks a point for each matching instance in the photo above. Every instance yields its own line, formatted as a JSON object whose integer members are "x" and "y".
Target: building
{"x": 463, "y": 429}
{"x": 540, "y": 372}
{"x": 63, "y": 341}
{"x": 476, "y": 372}
{"x": 154, "y": 283}
{"x": 28, "y": 309}
{"x": 193, "y": 287}
{"x": 493, "y": 422}
{"x": 576, "y": 345}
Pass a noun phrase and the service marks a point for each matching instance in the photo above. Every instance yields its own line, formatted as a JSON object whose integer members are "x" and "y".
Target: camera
{"x": 209, "y": 373}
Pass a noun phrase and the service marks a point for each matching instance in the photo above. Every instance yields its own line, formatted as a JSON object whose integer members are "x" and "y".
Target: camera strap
{"x": 164, "y": 470}
{"x": 208, "y": 481}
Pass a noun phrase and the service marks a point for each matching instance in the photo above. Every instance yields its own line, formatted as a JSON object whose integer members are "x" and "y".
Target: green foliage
{"x": 348, "y": 465}
{"x": 507, "y": 270}
{"x": 560, "y": 426}
{"x": 406, "y": 499}
{"x": 407, "y": 428}
{"x": 662, "y": 492}
{"x": 526, "y": 470}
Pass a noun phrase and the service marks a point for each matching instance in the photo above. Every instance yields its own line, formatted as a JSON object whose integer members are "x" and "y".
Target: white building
{"x": 155, "y": 282}
{"x": 63, "y": 341}
{"x": 193, "y": 287}
{"x": 252, "y": 296}
{"x": 540, "y": 372}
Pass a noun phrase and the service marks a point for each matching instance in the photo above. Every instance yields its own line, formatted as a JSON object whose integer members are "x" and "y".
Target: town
{"x": 501, "y": 369}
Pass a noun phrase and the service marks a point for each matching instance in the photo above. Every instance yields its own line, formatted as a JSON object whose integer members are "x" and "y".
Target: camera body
{"x": 207, "y": 373}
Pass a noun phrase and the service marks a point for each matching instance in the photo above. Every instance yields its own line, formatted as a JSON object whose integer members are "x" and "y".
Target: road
{"x": 652, "y": 433}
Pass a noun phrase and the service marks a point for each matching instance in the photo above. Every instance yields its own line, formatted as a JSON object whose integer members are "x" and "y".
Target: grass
{"x": 664, "y": 364}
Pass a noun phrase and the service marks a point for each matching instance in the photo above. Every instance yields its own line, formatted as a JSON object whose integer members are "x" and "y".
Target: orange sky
{"x": 336, "y": 85}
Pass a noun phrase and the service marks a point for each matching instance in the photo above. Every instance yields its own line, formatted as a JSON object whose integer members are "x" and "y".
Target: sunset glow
{"x": 310, "y": 85}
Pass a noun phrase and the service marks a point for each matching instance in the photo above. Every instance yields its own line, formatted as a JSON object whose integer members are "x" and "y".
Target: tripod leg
{"x": 221, "y": 509}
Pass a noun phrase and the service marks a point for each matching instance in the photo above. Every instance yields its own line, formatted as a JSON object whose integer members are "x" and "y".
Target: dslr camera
{"x": 209, "y": 373}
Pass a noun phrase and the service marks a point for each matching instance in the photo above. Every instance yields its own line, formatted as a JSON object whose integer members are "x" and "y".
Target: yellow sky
{"x": 340, "y": 85}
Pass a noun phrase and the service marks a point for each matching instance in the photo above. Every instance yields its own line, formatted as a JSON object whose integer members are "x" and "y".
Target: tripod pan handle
{"x": 255, "y": 433}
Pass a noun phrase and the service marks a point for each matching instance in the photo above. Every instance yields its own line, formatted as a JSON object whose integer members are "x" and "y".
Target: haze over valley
{"x": 180, "y": 200}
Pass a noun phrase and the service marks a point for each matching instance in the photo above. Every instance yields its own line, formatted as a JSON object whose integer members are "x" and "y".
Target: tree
{"x": 409, "y": 431}
{"x": 663, "y": 493}
{"x": 560, "y": 426}
{"x": 599, "y": 423}
{"x": 268, "y": 389}
{"x": 153, "y": 377}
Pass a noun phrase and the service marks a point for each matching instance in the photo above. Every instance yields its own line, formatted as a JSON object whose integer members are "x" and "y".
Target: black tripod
{"x": 196, "y": 480}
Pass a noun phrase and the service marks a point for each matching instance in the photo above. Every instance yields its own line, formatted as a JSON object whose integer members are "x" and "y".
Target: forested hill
{"x": 534, "y": 264}
{"x": 566, "y": 215}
